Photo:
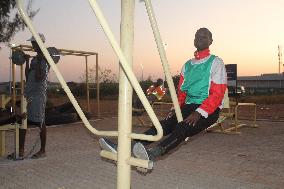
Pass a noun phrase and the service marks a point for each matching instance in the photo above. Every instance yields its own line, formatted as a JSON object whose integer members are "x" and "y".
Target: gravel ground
{"x": 251, "y": 160}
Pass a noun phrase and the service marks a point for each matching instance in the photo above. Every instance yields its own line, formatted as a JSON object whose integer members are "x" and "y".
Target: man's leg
{"x": 172, "y": 141}
{"x": 42, "y": 138}
{"x": 167, "y": 129}
{"x": 168, "y": 124}
{"x": 181, "y": 132}
{"x": 41, "y": 152}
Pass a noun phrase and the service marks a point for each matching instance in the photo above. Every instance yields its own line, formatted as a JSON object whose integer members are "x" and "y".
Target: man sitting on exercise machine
{"x": 202, "y": 85}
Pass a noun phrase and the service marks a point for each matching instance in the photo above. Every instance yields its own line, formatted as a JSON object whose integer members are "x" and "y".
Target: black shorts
{"x": 39, "y": 124}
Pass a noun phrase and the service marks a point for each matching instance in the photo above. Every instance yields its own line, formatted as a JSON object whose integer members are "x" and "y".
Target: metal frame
{"x": 127, "y": 9}
{"x": 238, "y": 125}
{"x": 7, "y": 127}
{"x": 233, "y": 116}
{"x": 85, "y": 54}
{"x": 23, "y": 108}
{"x": 127, "y": 77}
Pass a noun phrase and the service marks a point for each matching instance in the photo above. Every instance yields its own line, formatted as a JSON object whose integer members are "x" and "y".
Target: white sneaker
{"x": 108, "y": 145}
{"x": 140, "y": 151}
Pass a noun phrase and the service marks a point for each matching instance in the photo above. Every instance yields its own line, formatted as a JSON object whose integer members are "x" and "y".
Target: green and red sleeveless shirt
{"x": 203, "y": 80}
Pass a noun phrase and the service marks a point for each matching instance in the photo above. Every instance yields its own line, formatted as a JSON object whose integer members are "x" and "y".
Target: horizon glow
{"x": 246, "y": 33}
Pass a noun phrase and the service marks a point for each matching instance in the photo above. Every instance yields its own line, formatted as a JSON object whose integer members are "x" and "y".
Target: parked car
{"x": 239, "y": 91}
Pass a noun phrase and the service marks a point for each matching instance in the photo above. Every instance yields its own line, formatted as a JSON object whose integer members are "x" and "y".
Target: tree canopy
{"x": 10, "y": 20}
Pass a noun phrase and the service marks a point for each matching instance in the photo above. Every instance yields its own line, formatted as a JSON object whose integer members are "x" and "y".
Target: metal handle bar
{"x": 163, "y": 58}
{"x": 130, "y": 75}
{"x": 59, "y": 75}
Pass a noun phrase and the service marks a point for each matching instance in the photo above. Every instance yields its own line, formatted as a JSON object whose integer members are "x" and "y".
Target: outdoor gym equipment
{"x": 18, "y": 56}
{"x": 124, "y": 133}
{"x": 129, "y": 72}
{"x": 85, "y": 54}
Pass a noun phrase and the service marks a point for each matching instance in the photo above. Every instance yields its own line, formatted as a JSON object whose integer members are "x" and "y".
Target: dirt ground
{"x": 252, "y": 159}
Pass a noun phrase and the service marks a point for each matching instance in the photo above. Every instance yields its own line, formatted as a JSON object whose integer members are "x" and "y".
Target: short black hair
{"x": 203, "y": 39}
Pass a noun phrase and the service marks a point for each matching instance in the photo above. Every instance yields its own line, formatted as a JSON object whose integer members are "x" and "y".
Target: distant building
{"x": 265, "y": 83}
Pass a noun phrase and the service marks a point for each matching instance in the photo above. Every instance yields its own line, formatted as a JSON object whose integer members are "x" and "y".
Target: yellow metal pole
{"x": 163, "y": 58}
{"x": 98, "y": 86}
{"x": 125, "y": 96}
{"x": 14, "y": 87}
{"x": 22, "y": 80}
{"x": 23, "y": 99}
{"x": 87, "y": 85}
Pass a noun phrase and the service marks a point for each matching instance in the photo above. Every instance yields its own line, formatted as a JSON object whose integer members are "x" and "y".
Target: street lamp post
{"x": 142, "y": 79}
{"x": 165, "y": 47}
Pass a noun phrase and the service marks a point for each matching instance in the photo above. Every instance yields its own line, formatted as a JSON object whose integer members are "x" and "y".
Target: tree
{"x": 175, "y": 80}
{"x": 107, "y": 80}
{"x": 10, "y": 20}
{"x": 105, "y": 76}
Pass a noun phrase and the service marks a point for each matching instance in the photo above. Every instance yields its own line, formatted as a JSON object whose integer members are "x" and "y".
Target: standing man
{"x": 202, "y": 85}
{"x": 35, "y": 92}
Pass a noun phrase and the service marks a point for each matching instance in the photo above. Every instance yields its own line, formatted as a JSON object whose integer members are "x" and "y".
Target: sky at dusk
{"x": 246, "y": 33}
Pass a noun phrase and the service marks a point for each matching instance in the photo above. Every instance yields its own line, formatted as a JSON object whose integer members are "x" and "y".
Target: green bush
{"x": 107, "y": 89}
